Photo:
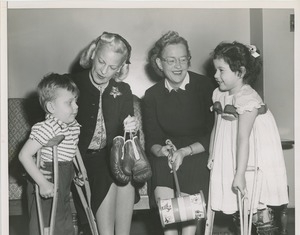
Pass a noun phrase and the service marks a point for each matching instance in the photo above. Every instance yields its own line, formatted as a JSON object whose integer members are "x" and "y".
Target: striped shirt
{"x": 42, "y": 132}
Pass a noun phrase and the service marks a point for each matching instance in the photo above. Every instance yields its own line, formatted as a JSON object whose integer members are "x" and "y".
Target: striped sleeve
{"x": 42, "y": 132}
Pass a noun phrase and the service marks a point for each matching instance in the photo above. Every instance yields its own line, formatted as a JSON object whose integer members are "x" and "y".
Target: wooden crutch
{"x": 243, "y": 209}
{"x": 210, "y": 216}
{"x": 82, "y": 180}
{"x": 210, "y": 213}
{"x": 172, "y": 150}
{"x": 54, "y": 142}
{"x": 245, "y": 217}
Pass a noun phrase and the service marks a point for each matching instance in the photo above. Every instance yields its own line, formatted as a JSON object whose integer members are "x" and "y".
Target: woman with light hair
{"x": 105, "y": 111}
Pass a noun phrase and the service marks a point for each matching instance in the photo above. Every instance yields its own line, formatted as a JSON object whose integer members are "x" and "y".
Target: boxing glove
{"x": 116, "y": 159}
{"x": 142, "y": 169}
{"x": 129, "y": 157}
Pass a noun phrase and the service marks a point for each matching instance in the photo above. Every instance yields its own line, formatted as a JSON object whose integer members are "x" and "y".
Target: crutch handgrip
{"x": 251, "y": 168}
{"x": 55, "y": 141}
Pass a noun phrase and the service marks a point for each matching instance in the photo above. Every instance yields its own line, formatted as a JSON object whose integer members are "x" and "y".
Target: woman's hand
{"x": 160, "y": 151}
{"x": 165, "y": 151}
{"x": 239, "y": 183}
{"x": 210, "y": 162}
{"x": 177, "y": 158}
{"x": 46, "y": 189}
{"x": 131, "y": 124}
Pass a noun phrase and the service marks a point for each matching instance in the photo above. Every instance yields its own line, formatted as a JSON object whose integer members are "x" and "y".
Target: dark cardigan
{"x": 115, "y": 109}
{"x": 184, "y": 117}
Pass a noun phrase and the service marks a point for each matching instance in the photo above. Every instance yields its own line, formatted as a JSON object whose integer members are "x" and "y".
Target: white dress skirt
{"x": 265, "y": 151}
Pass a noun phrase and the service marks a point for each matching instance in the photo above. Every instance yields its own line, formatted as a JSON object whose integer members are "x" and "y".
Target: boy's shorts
{"x": 63, "y": 219}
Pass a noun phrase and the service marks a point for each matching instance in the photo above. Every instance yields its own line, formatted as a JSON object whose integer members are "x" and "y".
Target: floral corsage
{"x": 115, "y": 92}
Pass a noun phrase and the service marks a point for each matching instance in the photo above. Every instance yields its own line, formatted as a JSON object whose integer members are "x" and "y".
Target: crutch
{"x": 173, "y": 148}
{"x": 243, "y": 202}
{"x": 210, "y": 216}
{"x": 243, "y": 209}
{"x": 82, "y": 180}
{"x": 54, "y": 142}
{"x": 210, "y": 213}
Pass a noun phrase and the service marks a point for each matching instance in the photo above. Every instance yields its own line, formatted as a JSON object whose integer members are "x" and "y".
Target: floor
{"x": 146, "y": 222}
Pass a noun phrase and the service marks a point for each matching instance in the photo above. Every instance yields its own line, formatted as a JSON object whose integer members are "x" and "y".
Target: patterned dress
{"x": 264, "y": 151}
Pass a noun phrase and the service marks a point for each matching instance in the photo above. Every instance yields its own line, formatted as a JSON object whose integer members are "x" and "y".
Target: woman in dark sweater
{"x": 105, "y": 111}
{"x": 177, "y": 108}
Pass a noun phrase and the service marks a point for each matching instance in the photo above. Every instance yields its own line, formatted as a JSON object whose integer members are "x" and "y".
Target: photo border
{"x": 6, "y": 5}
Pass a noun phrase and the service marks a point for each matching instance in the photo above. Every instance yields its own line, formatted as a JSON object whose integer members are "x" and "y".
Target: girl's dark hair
{"x": 236, "y": 55}
{"x": 50, "y": 83}
{"x": 169, "y": 38}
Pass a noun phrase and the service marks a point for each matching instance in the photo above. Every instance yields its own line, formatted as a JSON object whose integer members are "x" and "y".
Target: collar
{"x": 61, "y": 123}
{"x": 185, "y": 81}
{"x": 99, "y": 87}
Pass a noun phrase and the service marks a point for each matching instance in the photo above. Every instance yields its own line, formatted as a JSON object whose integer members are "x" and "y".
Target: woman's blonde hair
{"x": 118, "y": 45}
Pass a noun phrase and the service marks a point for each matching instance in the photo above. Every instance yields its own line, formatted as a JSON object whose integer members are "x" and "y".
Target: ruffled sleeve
{"x": 246, "y": 100}
{"x": 216, "y": 95}
{"x": 42, "y": 132}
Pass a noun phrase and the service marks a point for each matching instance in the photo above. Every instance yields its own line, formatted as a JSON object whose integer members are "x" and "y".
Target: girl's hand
{"x": 239, "y": 183}
{"x": 177, "y": 159}
{"x": 46, "y": 189}
{"x": 131, "y": 124}
{"x": 210, "y": 163}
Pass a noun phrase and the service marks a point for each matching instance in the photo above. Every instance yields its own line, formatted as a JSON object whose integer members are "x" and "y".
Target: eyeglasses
{"x": 172, "y": 60}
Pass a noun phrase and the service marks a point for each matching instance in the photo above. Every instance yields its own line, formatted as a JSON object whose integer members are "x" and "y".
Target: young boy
{"x": 58, "y": 96}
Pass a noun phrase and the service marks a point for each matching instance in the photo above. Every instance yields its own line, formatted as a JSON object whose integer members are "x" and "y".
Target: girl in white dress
{"x": 244, "y": 130}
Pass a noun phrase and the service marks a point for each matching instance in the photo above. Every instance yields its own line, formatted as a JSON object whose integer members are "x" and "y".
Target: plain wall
{"x": 279, "y": 80}
{"x": 256, "y": 38}
{"x": 49, "y": 40}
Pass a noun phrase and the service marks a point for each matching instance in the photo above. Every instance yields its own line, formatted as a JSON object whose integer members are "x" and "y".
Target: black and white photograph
{"x": 149, "y": 118}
